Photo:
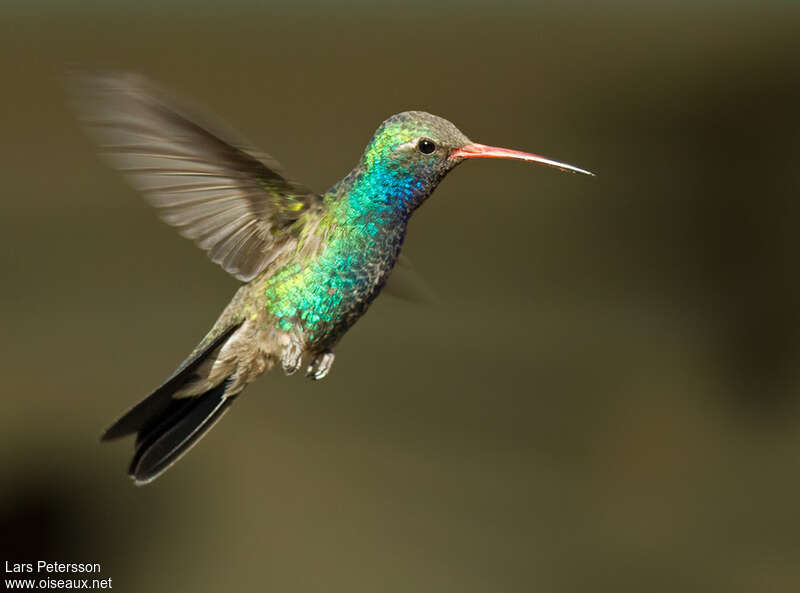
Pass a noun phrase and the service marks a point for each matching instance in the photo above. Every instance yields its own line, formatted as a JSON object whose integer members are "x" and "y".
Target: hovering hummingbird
{"x": 311, "y": 263}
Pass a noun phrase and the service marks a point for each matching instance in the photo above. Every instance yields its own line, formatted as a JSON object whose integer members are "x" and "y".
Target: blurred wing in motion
{"x": 234, "y": 203}
{"x": 406, "y": 283}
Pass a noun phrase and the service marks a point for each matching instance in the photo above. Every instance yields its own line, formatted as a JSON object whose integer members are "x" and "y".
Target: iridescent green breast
{"x": 323, "y": 295}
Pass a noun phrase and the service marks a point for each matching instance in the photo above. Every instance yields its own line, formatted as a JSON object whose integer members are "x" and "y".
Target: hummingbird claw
{"x": 320, "y": 366}
{"x": 292, "y": 358}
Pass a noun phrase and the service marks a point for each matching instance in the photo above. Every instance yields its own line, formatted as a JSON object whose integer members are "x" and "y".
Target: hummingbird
{"x": 310, "y": 263}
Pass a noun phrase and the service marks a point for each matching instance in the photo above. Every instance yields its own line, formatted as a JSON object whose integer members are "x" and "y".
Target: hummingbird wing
{"x": 406, "y": 283}
{"x": 235, "y": 203}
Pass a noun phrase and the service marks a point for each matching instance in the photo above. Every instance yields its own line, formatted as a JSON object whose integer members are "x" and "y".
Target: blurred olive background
{"x": 606, "y": 398}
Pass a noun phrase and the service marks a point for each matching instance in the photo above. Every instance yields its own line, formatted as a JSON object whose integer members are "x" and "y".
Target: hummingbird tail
{"x": 166, "y": 425}
{"x": 165, "y": 440}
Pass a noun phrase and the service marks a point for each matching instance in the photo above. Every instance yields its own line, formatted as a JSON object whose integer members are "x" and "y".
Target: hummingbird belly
{"x": 321, "y": 298}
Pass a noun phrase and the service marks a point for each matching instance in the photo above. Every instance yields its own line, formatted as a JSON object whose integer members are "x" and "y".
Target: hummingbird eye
{"x": 426, "y": 146}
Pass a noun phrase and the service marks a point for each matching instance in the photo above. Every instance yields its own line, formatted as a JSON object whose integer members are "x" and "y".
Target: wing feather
{"x": 235, "y": 203}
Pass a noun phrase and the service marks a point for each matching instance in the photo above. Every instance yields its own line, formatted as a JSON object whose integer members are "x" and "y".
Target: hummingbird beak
{"x": 481, "y": 151}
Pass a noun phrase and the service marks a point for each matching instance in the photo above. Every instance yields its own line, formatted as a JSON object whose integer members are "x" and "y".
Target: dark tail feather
{"x": 156, "y": 404}
{"x": 163, "y": 441}
{"x": 167, "y": 426}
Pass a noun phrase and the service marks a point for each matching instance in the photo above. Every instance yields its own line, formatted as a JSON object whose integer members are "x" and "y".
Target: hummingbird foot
{"x": 320, "y": 366}
{"x": 292, "y": 357}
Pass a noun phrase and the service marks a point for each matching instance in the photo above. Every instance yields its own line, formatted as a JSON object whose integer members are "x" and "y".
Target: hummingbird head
{"x": 411, "y": 152}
